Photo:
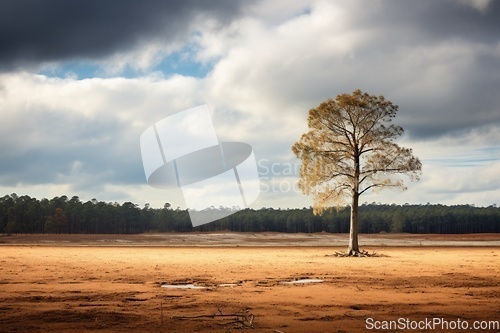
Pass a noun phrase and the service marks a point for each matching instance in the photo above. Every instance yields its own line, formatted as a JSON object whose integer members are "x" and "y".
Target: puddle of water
{"x": 182, "y": 286}
{"x": 303, "y": 281}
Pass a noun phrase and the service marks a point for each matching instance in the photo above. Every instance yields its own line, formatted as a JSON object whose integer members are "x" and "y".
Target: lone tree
{"x": 348, "y": 150}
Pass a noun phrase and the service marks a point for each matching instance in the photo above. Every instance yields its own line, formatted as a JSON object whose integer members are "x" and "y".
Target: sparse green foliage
{"x": 350, "y": 149}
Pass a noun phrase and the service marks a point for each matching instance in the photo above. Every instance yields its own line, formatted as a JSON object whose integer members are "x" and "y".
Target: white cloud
{"x": 82, "y": 134}
{"x": 141, "y": 59}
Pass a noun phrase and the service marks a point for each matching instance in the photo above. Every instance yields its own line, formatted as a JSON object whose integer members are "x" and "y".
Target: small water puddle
{"x": 303, "y": 281}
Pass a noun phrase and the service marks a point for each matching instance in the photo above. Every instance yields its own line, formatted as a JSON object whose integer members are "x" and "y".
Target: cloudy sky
{"x": 81, "y": 80}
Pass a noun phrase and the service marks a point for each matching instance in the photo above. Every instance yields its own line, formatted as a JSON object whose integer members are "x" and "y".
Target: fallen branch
{"x": 245, "y": 320}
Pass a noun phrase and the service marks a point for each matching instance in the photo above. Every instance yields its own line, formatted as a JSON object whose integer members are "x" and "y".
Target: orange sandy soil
{"x": 75, "y": 288}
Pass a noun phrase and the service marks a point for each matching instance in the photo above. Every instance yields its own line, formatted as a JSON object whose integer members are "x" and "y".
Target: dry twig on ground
{"x": 241, "y": 319}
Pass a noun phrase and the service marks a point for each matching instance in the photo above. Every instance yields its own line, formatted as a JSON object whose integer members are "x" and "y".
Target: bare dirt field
{"x": 104, "y": 283}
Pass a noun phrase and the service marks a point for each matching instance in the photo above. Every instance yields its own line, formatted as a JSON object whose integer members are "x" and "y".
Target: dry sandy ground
{"x": 76, "y": 288}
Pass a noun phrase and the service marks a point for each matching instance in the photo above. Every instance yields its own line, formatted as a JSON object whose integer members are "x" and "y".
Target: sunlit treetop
{"x": 350, "y": 149}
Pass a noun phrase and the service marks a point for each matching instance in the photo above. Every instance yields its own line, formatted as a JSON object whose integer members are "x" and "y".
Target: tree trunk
{"x": 353, "y": 248}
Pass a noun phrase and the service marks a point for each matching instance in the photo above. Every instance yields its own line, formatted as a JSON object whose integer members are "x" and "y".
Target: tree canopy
{"x": 350, "y": 149}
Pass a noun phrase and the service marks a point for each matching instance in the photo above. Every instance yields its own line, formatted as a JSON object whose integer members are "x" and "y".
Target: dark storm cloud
{"x": 33, "y": 31}
{"x": 440, "y": 19}
{"x": 432, "y": 20}
{"x": 438, "y": 60}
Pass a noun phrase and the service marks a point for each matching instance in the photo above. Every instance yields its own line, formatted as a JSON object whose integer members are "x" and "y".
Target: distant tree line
{"x": 23, "y": 214}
